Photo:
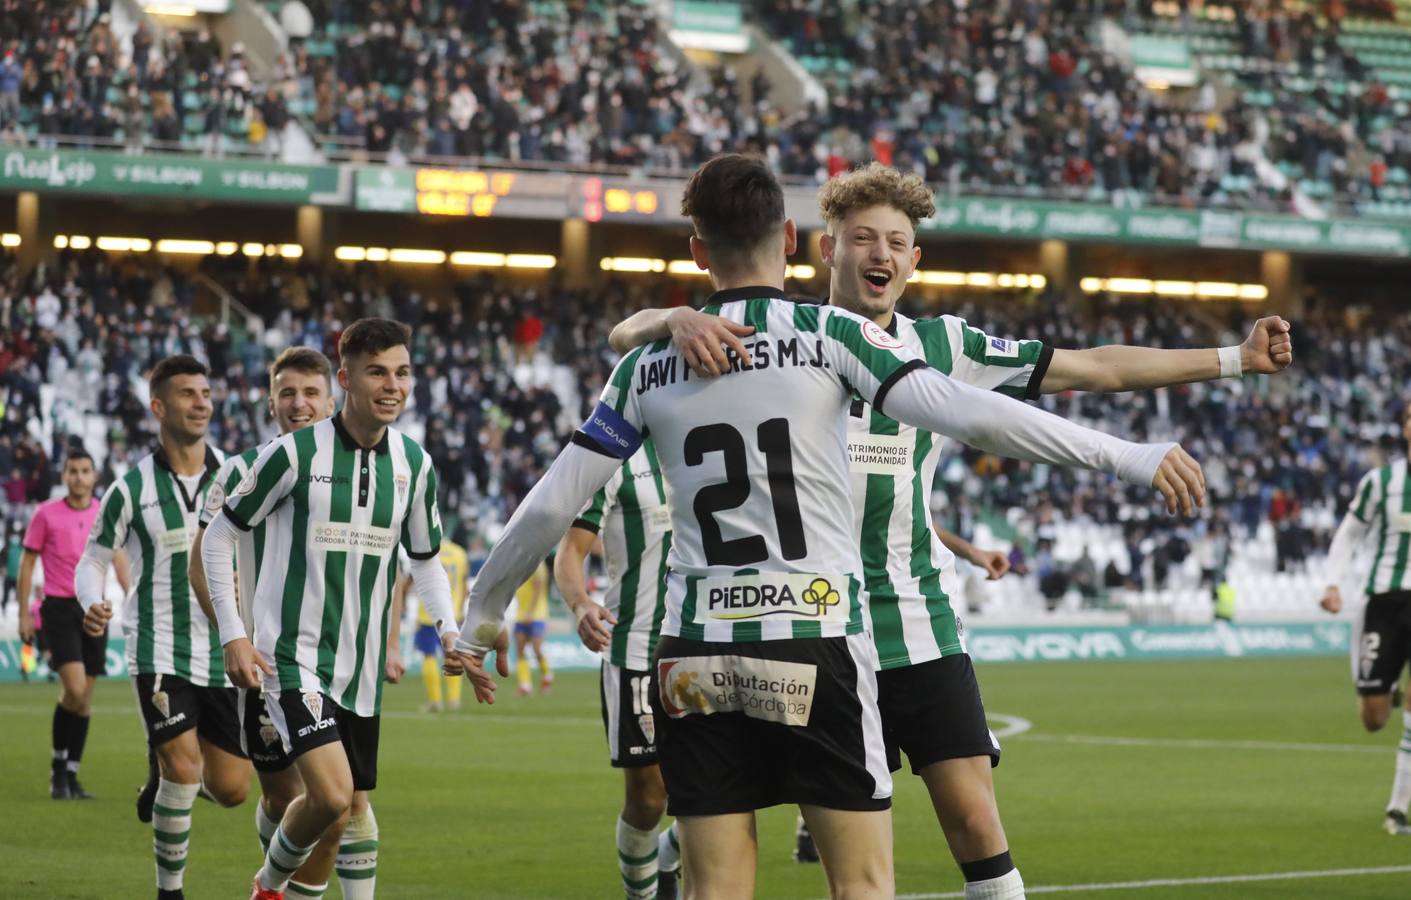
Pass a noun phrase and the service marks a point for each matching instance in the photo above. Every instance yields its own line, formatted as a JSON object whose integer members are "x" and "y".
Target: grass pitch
{"x": 1131, "y": 772}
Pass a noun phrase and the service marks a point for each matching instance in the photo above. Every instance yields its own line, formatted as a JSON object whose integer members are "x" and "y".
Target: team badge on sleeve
{"x": 879, "y": 338}
{"x": 247, "y": 484}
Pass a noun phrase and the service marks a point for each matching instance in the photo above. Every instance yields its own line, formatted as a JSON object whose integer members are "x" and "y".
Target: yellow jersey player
{"x": 532, "y": 600}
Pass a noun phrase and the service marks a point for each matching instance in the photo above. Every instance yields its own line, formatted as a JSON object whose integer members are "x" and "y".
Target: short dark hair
{"x": 172, "y": 366}
{"x": 735, "y": 203}
{"x": 73, "y": 454}
{"x": 369, "y": 337}
{"x": 302, "y": 359}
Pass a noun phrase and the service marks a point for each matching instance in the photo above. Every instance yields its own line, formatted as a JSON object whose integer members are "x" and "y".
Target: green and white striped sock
{"x": 669, "y": 849}
{"x": 300, "y": 891}
{"x": 265, "y": 826}
{"x": 637, "y": 860}
{"x": 171, "y": 831}
{"x": 357, "y": 857}
{"x": 282, "y": 861}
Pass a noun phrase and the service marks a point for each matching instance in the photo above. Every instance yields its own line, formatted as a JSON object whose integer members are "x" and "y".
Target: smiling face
{"x": 298, "y": 398}
{"x": 183, "y": 405}
{"x": 377, "y": 385}
{"x": 871, "y": 252}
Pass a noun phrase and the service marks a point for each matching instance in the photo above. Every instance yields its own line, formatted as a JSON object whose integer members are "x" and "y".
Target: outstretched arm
{"x": 927, "y": 399}
{"x": 536, "y": 526}
{"x": 1267, "y": 350}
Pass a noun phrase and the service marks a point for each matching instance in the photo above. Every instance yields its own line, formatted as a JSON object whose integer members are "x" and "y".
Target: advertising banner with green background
{"x": 243, "y": 181}
{"x": 1039, "y": 220}
{"x": 987, "y": 645}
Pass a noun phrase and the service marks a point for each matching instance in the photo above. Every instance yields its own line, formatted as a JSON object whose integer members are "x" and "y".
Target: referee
{"x": 56, "y": 536}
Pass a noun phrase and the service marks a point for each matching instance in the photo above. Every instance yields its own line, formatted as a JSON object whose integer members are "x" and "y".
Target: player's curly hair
{"x": 876, "y": 185}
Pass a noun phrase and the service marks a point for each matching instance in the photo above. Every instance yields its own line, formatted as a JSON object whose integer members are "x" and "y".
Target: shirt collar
{"x": 891, "y": 326}
{"x": 382, "y": 446}
{"x": 212, "y": 462}
{"x": 754, "y": 292}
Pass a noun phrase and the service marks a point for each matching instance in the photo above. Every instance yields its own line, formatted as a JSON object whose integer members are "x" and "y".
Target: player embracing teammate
{"x": 765, "y": 686}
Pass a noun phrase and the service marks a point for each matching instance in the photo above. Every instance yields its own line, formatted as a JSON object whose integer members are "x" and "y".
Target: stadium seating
{"x": 1030, "y": 99}
{"x": 1279, "y": 476}
{"x": 112, "y": 82}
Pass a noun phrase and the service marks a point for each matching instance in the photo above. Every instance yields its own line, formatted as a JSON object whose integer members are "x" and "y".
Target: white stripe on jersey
{"x": 153, "y": 516}
{"x": 633, "y": 517}
{"x": 1383, "y": 501}
{"x": 909, "y": 574}
{"x": 757, "y": 461}
{"x": 321, "y": 605}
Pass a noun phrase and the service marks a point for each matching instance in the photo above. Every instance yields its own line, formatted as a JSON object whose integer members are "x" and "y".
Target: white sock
{"x": 298, "y": 891}
{"x": 1008, "y": 886}
{"x": 282, "y": 861}
{"x": 265, "y": 826}
{"x": 1401, "y": 786}
{"x": 637, "y": 859}
{"x": 357, "y": 857}
{"x": 171, "y": 831}
{"x": 669, "y": 850}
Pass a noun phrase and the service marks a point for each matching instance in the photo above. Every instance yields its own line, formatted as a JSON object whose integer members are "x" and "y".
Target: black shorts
{"x": 258, "y": 736}
{"x": 742, "y": 726}
{"x": 67, "y": 641}
{"x": 172, "y": 706}
{"x": 1385, "y": 644}
{"x": 308, "y": 719}
{"x": 628, "y": 717}
{"x": 932, "y": 711}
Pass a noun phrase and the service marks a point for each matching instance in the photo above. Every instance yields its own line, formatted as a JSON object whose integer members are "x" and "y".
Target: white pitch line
{"x": 1180, "y": 882}
{"x": 1009, "y": 725}
{"x": 1199, "y": 743}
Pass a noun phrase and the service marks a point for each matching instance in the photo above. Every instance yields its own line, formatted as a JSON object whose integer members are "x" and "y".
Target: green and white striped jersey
{"x": 763, "y": 546}
{"x": 152, "y": 513}
{"x": 909, "y": 575}
{"x": 1383, "y": 501}
{"x": 633, "y": 516}
{"x": 250, "y": 549}
{"x": 325, "y": 587}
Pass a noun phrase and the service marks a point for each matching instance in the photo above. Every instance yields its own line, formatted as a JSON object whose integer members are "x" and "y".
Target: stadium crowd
{"x": 506, "y": 371}
{"x": 1014, "y": 96}
{"x": 65, "y": 73}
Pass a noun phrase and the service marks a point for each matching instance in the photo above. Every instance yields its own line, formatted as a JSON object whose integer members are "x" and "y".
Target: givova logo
{"x": 313, "y": 702}
{"x": 739, "y": 598}
{"x": 767, "y": 689}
